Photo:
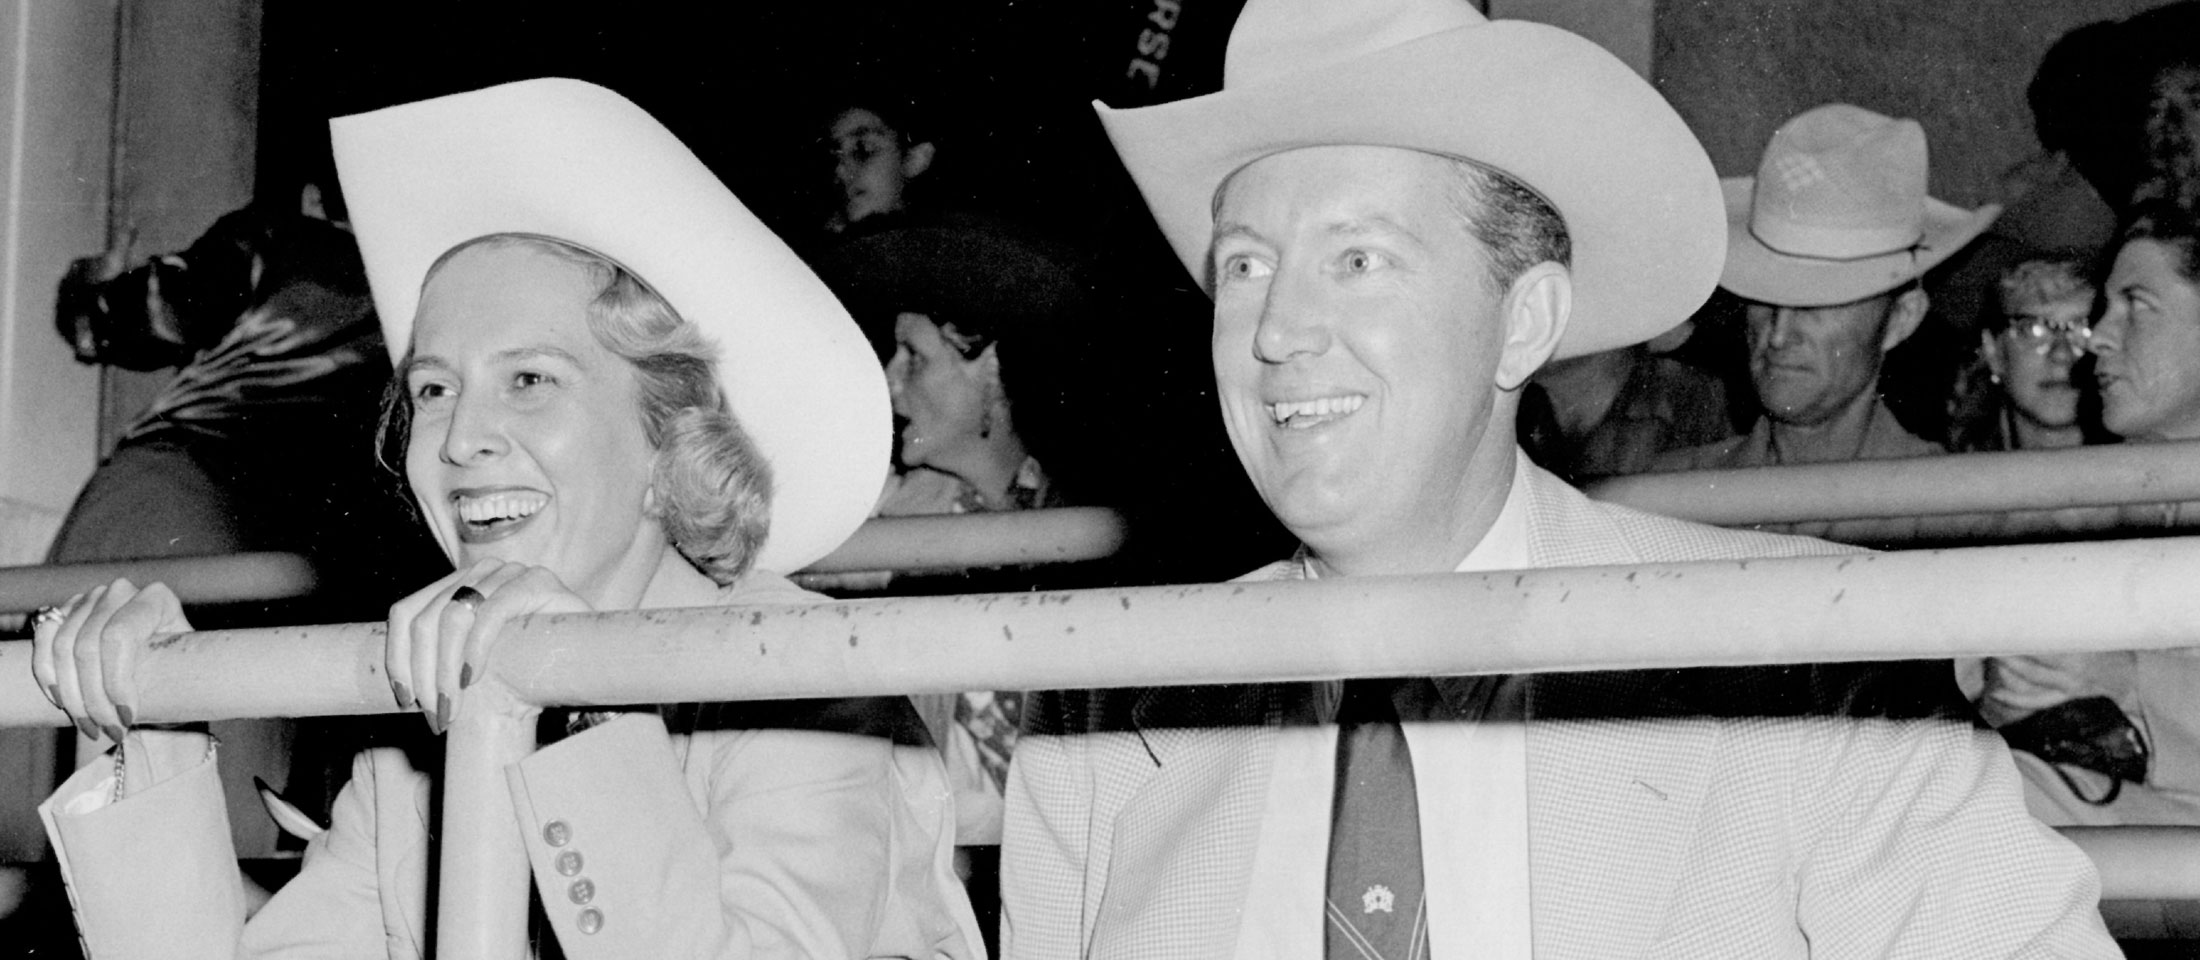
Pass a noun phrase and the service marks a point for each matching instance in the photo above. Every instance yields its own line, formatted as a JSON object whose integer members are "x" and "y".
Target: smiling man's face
{"x": 1356, "y": 344}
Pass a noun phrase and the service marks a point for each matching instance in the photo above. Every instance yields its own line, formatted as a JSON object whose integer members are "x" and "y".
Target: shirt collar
{"x": 1504, "y": 546}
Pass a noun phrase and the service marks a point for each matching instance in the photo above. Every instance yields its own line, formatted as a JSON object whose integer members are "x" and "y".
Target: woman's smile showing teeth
{"x": 1305, "y": 414}
{"x": 486, "y": 515}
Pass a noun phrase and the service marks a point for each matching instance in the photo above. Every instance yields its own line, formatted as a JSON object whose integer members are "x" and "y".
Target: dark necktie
{"x": 1376, "y": 910}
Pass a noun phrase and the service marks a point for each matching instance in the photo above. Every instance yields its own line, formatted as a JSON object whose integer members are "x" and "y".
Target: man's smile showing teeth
{"x": 487, "y": 515}
{"x": 1302, "y": 414}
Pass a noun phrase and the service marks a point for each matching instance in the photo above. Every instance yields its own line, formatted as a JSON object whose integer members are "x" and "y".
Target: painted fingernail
{"x": 442, "y": 714}
{"x": 465, "y": 676}
{"x": 129, "y": 717}
{"x": 114, "y": 733}
{"x": 404, "y": 695}
{"x": 85, "y": 727}
{"x": 432, "y": 727}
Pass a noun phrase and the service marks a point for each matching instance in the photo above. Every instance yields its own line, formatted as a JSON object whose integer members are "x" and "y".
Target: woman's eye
{"x": 1361, "y": 261}
{"x": 423, "y": 393}
{"x": 528, "y": 379}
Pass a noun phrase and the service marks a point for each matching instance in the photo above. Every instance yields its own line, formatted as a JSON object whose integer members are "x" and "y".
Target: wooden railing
{"x": 2004, "y": 600}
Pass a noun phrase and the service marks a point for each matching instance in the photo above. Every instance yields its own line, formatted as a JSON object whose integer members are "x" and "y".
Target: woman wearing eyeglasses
{"x": 2029, "y": 348}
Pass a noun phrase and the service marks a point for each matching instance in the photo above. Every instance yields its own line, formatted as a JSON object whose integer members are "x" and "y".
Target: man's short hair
{"x": 1516, "y": 226}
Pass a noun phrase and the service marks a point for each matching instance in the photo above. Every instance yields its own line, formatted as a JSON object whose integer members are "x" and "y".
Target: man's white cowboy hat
{"x": 1838, "y": 212}
{"x": 1552, "y": 109}
{"x": 570, "y": 160}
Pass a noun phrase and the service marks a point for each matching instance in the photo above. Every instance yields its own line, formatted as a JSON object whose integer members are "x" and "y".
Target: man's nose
{"x": 1292, "y": 322}
{"x": 1781, "y": 331}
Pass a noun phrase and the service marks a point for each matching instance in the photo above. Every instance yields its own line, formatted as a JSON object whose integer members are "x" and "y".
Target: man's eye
{"x": 1361, "y": 261}
{"x": 1244, "y": 266}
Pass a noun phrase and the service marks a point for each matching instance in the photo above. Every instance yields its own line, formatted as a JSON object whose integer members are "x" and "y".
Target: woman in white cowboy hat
{"x": 618, "y": 391}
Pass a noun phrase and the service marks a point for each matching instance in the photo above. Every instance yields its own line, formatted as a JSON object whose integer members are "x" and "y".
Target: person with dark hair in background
{"x": 282, "y": 370}
{"x": 268, "y": 316}
{"x": 880, "y": 147}
{"x": 973, "y": 324}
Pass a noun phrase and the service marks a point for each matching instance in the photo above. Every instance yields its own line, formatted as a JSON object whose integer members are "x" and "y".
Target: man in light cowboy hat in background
{"x": 1826, "y": 244}
{"x": 1402, "y": 210}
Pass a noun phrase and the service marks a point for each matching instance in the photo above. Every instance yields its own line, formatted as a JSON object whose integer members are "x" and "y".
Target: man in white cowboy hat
{"x": 1401, "y": 211}
{"x": 1826, "y": 244}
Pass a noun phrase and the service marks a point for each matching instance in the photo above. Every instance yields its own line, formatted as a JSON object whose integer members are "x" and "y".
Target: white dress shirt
{"x": 1471, "y": 780}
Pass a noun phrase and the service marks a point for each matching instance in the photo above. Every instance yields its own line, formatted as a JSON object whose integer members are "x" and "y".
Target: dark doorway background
{"x": 749, "y": 87}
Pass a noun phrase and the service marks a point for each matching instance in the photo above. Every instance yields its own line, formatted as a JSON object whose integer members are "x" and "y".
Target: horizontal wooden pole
{"x": 2103, "y": 476}
{"x": 2123, "y": 595}
{"x": 2143, "y": 863}
{"x": 225, "y": 578}
{"x": 949, "y": 542}
{"x": 959, "y": 541}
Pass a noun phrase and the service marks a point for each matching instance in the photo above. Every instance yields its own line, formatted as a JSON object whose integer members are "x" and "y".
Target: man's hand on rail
{"x": 440, "y": 637}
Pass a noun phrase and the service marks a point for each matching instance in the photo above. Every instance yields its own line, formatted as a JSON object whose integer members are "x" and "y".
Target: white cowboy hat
{"x": 571, "y": 160}
{"x": 1552, "y": 109}
{"x": 1838, "y": 212}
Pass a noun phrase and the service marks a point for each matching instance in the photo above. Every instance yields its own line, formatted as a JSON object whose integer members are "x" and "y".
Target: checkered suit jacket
{"x": 1673, "y": 814}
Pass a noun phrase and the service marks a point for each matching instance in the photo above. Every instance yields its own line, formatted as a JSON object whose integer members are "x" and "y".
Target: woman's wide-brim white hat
{"x": 1554, "y": 110}
{"x": 571, "y": 160}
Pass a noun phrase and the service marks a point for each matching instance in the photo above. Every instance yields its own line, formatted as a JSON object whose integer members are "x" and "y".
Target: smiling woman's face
{"x": 526, "y": 441}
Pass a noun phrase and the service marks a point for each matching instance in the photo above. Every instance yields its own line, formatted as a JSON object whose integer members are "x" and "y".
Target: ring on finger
{"x": 46, "y": 615}
{"x": 467, "y": 596}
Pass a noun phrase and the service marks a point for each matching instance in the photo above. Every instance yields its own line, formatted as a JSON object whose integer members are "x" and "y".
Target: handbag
{"x": 2089, "y": 732}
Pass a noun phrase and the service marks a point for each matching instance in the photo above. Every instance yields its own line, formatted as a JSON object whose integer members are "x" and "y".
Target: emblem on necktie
{"x": 1377, "y": 897}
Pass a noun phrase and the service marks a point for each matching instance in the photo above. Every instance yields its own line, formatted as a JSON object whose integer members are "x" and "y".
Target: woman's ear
{"x": 1990, "y": 350}
{"x": 1536, "y": 309}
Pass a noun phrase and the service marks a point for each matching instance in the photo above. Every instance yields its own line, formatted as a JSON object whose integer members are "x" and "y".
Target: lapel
{"x": 1194, "y": 771}
{"x": 1180, "y": 851}
{"x": 1617, "y": 774}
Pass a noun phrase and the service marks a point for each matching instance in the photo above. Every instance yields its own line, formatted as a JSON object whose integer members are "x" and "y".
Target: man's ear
{"x": 1903, "y": 317}
{"x": 1535, "y": 311}
{"x": 916, "y": 160}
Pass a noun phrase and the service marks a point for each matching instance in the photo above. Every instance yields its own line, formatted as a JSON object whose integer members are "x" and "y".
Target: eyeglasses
{"x": 2040, "y": 336}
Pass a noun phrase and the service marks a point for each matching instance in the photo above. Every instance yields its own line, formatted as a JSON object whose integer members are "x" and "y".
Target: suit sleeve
{"x": 154, "y": 874}
{"x": 1919, "y": 845}
{"x": 812, "y": 845}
